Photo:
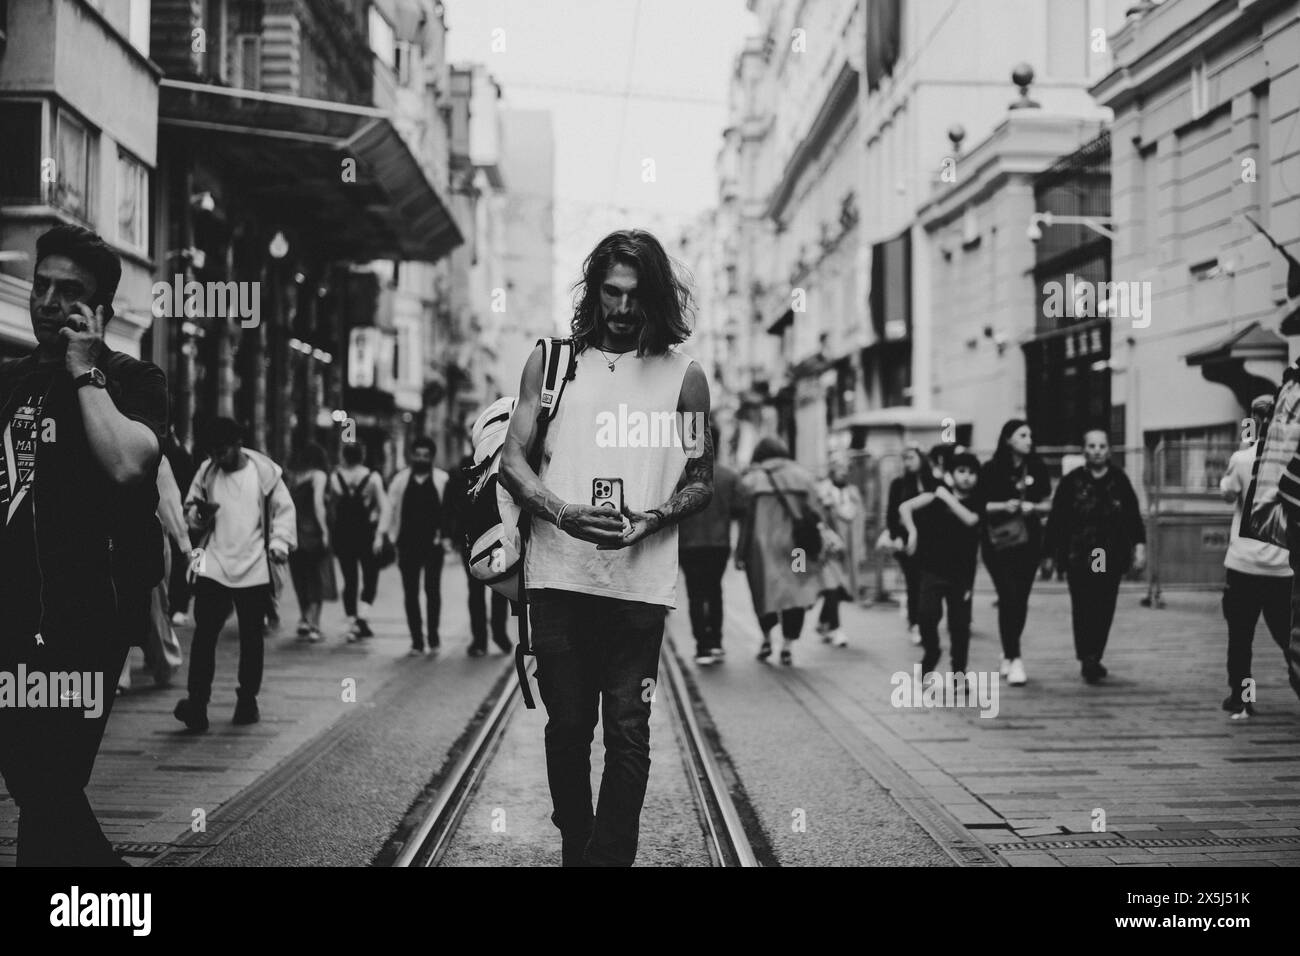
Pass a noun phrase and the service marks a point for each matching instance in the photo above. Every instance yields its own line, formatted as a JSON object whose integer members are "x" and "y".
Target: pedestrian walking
{"x": 245, "y": 516}
{"x": 357, "y": 505}
{"x": 703, "y": 549}
{"x": 80, "y": 545}
{"x": 601, "y": 564}
{"x": 1095, "y": 531}
{"x": 182, "y": 466}
{"x": 456, "y": 510}
{"x": 311, "y": 564}
{"x": 781, "y": 514}
{"x": 841, "y": 503}
{"x": 943, "y": 538}
{"x": 1016, "y": 489}
{"x": 418, "y": 524}
{"x": 917, "y": 477}
{"x": 162, "y": 649}
{"x": 1258, "y": 578}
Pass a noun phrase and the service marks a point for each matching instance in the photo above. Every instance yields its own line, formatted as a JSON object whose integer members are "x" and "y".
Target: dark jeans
{"x": 830, "y": 612}
{"x": 478, "y": 616}
{"x": 935, "y": 591}
{"x": 412, "y": 563}
{"x": 594, "y": 650}
{"x": 1092, "y": 608}
{"x": 791, "y": 621}
{"x": 704, "y": 568}
{"x": 47, "y": 754}
{"x": 912, "y": 579}
{"x": 1245, "y": 596}
{"x": 1013, "y": 572}
{"x": 212, "y": 605}
{"x": 350, "y": 558}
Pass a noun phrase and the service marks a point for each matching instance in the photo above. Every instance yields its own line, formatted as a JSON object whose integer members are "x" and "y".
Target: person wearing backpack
{"x": 417, "y": 524}
{"x": 310, "y": 565}
{"x": 779, "y": 546}
{"x": 1257, "y": 578}
{"x": 600, "y": 565}
{"x": 358, "y": 506}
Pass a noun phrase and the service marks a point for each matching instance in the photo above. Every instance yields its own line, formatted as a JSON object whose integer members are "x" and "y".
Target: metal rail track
{"x": 724, "y": 832}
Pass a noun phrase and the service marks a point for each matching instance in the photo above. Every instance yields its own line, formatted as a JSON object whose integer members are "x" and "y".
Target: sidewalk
{"x": 152, "y": 778}
{"x": 1177, "y": 781}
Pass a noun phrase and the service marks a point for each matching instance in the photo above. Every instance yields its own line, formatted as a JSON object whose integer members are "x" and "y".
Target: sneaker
{"x": 1242, "y": 714}
{"x": 303, "y": 628}
{"x": 705, "y": 659}
{"x": 246, "y": 711}
{"x": 825, "y": 632}
{"x": 181, "y": 619}
{"x": 719, "y": 654}
{"x": 1016, "y": 673}
{"x": 314, "y": 636}
{"x": 431, "y": 650}
{"x": 363, "y": 629}
{"x": 914, "y": 634}
{"x": 193, "y": 716}
{"x": 1091, "y": 670}
{"x": 838, "y": 639}
{"x": 415, "y": 652}
{"x": 1006, "y": 666}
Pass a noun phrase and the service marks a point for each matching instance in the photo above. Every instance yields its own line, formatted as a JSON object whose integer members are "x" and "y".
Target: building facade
{"x": 79, "y": 128}
{"x": 1204, "y": 96}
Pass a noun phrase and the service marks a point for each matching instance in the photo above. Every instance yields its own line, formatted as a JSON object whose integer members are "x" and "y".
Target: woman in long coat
{"x": 842, "y": 505}
{"x": 783, "y": 582}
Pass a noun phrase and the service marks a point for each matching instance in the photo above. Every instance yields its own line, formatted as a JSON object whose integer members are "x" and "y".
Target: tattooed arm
{"x": 695, "y": 489}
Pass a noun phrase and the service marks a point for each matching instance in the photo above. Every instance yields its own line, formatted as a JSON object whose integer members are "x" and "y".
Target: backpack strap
{"x": 555, "y": 351}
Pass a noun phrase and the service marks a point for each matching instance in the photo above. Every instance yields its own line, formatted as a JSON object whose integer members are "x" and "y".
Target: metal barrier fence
{"x": 1187, "y": 520}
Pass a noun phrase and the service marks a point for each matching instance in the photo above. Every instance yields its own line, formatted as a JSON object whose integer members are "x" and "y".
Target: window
{"x": 248, "y": 61}
{"x": 1200, "y": 90}
{"x": 74, "y": 165}
{"x": 383, "y": 42}
{"x": 1193, "y": 459}
{"x": 132, "y": 202}
{"x": 20, "y": 160}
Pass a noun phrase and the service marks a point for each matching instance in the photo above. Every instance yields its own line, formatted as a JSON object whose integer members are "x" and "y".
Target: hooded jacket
{"x": 279, "y": 517}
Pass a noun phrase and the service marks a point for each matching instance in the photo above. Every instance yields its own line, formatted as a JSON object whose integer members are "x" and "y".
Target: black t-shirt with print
{"x": 20, "y": 580}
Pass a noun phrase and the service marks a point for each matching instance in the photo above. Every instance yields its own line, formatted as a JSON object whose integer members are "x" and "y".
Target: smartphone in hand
{"x": 607, "y": 493}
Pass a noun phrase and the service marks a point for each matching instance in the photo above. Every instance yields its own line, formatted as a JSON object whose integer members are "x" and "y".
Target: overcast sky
{"x": 578, "y": 59}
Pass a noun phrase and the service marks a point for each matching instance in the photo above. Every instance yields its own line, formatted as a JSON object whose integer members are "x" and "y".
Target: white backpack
{"x": 493, "y": 532}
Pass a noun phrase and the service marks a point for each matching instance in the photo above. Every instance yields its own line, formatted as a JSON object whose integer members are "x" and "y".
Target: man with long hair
{"x": 601, "y": 578}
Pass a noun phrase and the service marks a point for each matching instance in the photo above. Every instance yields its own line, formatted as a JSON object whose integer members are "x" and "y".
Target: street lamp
{"x": 1105, "y": 227}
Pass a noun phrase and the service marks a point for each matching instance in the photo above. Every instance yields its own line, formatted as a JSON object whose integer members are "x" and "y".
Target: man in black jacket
{"x": 80, "y": 546}
{"x": 1096, "y": 533}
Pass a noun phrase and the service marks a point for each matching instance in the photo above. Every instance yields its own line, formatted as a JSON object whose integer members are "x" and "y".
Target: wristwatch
{"x": 94, "y": 377}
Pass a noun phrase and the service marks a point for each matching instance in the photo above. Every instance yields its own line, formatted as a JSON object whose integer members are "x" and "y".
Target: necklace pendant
{"x": 611, "y": 366}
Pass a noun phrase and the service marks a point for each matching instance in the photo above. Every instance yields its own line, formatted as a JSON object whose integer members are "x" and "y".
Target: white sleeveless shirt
{"x": 620, "y": 424}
